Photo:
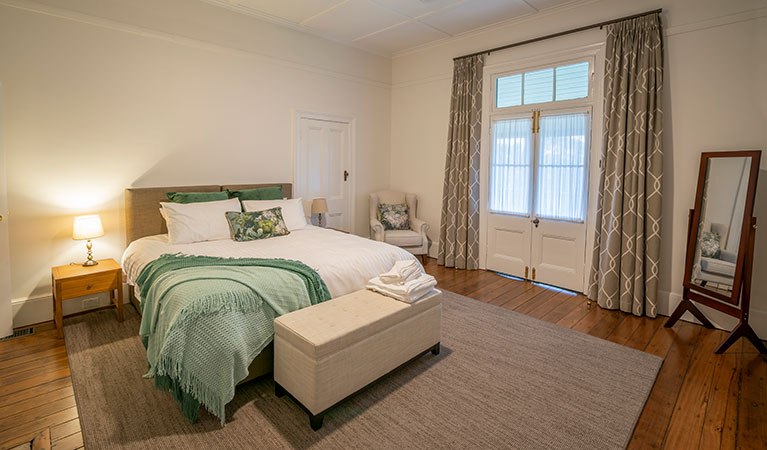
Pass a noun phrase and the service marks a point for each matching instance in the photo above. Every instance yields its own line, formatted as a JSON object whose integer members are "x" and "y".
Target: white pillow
{"x": 195, "y": 222}
{"x": 292, "y": 210}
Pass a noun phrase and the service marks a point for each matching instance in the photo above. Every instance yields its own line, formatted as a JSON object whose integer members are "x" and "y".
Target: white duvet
{"x": 344, "y": 261}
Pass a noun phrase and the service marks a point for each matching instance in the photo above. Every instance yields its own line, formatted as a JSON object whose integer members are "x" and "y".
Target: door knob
{"x": 536, "y": 222}
{"x": 1, "y": 218}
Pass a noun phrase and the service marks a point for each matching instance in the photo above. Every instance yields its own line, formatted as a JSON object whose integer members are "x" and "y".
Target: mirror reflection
{"x": 721, "y": 221}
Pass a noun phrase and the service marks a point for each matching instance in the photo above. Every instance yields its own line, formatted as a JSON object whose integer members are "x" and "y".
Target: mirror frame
{"x": 705, "y": 157}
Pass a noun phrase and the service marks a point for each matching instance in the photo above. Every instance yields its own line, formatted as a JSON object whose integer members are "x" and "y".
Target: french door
{"x": 537, "y": 196}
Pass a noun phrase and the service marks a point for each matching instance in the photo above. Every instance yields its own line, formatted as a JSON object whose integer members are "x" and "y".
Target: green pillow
{"x": 264, "y": 193}
{"x": 394, "y": 217}
{"x": 197, "y": 197}
{"x": 249, "y": 226}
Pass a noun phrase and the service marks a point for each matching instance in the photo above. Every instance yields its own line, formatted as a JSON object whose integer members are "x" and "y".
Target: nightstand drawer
{"x": 86, "y": 285}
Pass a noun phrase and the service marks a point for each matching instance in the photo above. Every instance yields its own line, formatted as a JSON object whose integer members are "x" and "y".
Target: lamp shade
{"x": 319, "y": 206}
{"x": 87, "y": 227}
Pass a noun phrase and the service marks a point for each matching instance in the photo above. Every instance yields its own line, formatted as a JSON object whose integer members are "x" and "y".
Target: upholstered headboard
{"x": 142, "y": 205}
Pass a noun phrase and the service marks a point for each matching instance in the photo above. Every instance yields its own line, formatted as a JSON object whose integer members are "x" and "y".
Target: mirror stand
{"x": 743, "y": 328}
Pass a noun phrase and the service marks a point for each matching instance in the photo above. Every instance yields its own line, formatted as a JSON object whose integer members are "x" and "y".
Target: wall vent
{"x": 19, "y": 333}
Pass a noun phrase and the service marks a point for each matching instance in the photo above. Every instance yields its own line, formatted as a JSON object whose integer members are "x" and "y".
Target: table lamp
{"x": 88, "y": 227}
{"x": 319, "y": 207}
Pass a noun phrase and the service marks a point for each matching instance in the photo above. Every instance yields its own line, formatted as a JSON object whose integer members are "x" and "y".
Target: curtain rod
{"x": 561, "y": 33}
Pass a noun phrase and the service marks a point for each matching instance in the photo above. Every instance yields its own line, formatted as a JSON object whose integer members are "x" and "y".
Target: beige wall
{"x": 92, "y": 106}
{"x": 714, "y": 99}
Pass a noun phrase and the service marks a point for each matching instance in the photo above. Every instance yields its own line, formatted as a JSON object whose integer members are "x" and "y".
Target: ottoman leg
{"x": 279, "y": 391}
{"x": 435, "y": 349}
{"x": 316, "y": 421}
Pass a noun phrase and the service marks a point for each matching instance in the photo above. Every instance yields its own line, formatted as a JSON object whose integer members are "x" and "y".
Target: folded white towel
{"x": 408, "y": 292}
{"x": 402, "y": 272}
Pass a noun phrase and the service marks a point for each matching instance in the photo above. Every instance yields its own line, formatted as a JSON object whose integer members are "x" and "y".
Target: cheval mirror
{"x": 720, "y": 245}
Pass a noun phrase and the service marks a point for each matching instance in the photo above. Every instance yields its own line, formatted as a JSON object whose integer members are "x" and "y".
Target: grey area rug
{"x": 502, "y": 380}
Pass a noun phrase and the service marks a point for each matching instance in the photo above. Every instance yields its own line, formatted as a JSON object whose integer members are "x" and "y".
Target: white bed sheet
{"x": 344, "y": 261}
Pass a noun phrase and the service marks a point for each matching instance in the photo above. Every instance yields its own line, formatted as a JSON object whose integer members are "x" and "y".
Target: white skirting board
{"x": 29, "y": 311}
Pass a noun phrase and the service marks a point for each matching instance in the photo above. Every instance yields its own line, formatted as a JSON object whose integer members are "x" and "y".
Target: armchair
{"x": 721, "y": 270}
{"x": 413, "y": 240}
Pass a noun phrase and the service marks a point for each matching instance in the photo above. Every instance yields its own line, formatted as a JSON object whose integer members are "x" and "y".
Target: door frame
{"x": 297, "y": 115}
{"x": 6, "y": 308}
{"x": 593, "y": 52}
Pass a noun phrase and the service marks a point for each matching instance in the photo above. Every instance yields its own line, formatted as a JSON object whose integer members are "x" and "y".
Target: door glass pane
{"x": 508, "y": 91}
{"x": 561, "y": 178}
{"x": 511, "y": 166}
{"x": 572, "y": 81}
{"x": 539, "y": 86}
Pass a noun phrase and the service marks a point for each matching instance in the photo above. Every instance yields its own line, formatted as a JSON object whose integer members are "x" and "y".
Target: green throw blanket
{"x": 205, "y": 319}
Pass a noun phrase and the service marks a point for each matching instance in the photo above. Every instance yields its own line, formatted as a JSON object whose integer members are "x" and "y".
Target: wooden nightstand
{"x": 75, "y": 280}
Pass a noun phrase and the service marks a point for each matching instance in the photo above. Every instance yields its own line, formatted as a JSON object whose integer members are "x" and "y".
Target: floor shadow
{"x": 297, "y": 430}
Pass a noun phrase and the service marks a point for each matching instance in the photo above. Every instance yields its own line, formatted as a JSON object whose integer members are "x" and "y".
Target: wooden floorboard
{"x": 65, "y": 429}
{"x": 35, "y": 389}
{"x": 700, "y": 400}
{"x": 686, "y": 423}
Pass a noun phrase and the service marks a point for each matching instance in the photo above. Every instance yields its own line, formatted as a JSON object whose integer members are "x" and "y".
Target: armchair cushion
{"x": 394, "y": 217}
{"x": 403, "y": 238}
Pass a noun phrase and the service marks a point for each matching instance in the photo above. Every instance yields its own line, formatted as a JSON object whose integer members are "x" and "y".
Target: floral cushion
{"x": 394, "y": 217}
{"x": 249, "y": 226}
{"x": 710, "y": 246}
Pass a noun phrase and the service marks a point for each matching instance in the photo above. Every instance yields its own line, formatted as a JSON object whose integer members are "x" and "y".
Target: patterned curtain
{"x": 624, "y": 274}
{"x": 459, "y": 229}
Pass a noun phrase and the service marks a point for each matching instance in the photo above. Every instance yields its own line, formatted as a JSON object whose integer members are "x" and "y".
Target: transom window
{"x": 552, "y": 84}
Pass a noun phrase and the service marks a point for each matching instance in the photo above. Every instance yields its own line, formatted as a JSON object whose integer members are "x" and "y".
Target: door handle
{"x": 346, "y": 175}
{"x": 536, "y": 222}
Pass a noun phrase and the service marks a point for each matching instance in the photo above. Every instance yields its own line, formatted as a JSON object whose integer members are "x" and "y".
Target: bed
{"x": 345, "y": 262}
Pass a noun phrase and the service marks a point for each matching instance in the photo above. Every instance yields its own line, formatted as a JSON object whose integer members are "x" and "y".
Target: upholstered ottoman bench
{"x": 325, "y": 353}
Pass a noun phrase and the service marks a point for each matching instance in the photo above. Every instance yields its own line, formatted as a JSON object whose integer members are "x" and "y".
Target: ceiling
{"x": 387, "y": 26}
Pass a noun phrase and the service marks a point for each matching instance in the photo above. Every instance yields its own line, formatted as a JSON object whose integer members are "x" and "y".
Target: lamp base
{"x": 90, "y": 261}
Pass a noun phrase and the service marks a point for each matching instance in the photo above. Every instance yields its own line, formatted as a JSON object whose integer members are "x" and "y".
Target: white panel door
{"x": 510, "y": 195}
{"x": 322, "y": 168}
{"x": 559, "y": 226}
{"x": 6, "y": 314}
{"x": 537, "y": 196}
